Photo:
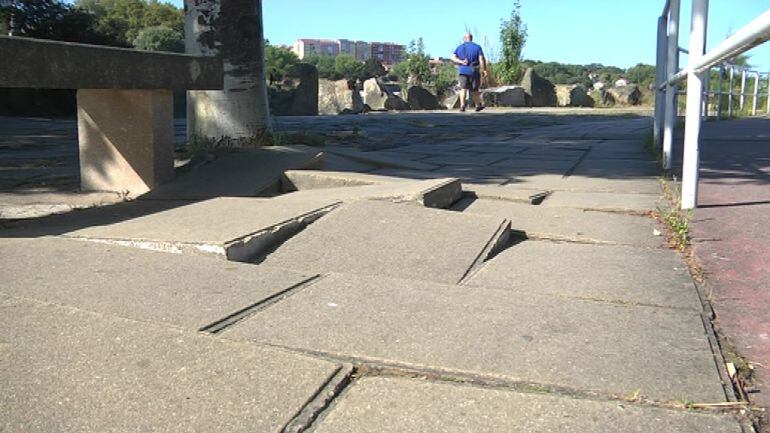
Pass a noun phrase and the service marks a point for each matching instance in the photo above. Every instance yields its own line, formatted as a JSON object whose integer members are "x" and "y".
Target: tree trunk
{"x": 231, "y": 30}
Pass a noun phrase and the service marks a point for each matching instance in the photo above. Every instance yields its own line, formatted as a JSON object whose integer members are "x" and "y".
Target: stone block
{"x": 126, "y": 139}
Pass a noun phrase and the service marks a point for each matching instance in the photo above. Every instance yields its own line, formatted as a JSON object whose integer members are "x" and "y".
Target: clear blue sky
{"x": 613, "y": 32}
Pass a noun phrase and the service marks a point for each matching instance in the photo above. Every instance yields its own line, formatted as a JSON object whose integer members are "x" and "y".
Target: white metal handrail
{"x": 699, "y": 62}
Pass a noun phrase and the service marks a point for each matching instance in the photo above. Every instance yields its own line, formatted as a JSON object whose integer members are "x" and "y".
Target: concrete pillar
{"x": 126, "y": 139}
{"x": 232, "y": 30}
{"x": 672, "y": 67}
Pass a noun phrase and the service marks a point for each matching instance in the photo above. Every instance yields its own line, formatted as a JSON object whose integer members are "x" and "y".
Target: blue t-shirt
{"x": 472, "y": 52}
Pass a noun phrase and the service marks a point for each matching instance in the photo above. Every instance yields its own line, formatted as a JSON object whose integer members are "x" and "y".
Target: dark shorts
{"x": 470, "y": 82}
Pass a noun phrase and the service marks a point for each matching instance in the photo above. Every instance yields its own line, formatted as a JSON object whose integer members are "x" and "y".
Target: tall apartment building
{"x": 326, "y": 47}
{"x": 386, "y": 52}
{"x": 363, "y": 51}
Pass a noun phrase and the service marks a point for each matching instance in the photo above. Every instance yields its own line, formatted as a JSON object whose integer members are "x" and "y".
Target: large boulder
{"x": 420, "y": 98}
{"x": 573, "y": 95}
{"x": 339, "y": 97}
{"x": 626, "y": 95}
{"x": 297, "y": 93}
{"x": 452, "y": 101}
{"x": 540, "y": 91}
{"x": 378, "y": 97}
{"x": 504, "y": 96}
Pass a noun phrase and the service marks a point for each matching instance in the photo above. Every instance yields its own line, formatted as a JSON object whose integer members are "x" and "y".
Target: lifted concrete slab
{"x": 379, "y": 238}
{"x": 569, "y": 224}
{"x": 377, "y": 404}
{"x": 602, "y": 272}
{"x": 64, "y": 369}
{"x": 438, "y": 193}
{"x": 229, "y": 227}
{"x": 315, "y": 179}
{"x": 242, "y": 173}
{"x": 611, "y": 349}
{"x": 184, "y": 291}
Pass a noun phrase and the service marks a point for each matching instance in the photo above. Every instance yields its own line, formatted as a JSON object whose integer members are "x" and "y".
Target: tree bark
{"x": 233, "y": 31}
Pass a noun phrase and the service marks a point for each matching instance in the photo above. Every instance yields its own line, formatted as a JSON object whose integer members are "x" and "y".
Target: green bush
{"x": 159, "y": 38}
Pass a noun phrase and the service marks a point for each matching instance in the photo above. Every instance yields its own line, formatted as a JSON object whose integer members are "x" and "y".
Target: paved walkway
{"x": 732, "y": 238}
{"x": 535, "y": 294}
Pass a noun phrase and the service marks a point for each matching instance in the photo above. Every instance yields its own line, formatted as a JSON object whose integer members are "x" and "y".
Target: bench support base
{"x": 126, "y": 139}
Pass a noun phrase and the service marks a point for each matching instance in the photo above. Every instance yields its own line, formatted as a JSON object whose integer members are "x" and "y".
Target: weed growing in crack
{"x": 676, "y": 219}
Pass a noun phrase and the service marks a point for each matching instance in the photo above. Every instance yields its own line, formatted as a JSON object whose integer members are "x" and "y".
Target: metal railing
{"x": 699, "y": 64}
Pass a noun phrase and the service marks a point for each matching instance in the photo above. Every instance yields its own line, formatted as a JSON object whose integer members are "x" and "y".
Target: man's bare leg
{"x": 477, "y": 101}
{"x": 463, "y": 98}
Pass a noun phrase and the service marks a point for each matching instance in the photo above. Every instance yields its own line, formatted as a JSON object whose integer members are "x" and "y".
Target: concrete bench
{"x": 125, "y": 103}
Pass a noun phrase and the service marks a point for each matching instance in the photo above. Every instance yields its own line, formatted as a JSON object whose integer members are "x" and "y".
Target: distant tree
{"x": 122, "y": 20}
{"x": 278, "y": 60}
{"x": 52, "y": 19}
{"x": 641, "y": 74}
{"x": 513, "y": 36}
{"x": 445, "y": 78}
{"x": 417, "y": 62}
{"x": 346, "y": 66}
{"x": 160, "y": 38}
{"x": 324, "y": 64}
{"x": 373, "y": 69}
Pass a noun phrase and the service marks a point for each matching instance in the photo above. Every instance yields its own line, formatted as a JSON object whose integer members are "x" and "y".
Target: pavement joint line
{"x": 318, "y": 404}
{"x": 556, "y": 238}
{"x": 572, "y": 169}
{"x": 497, "y": 243}
{"x": 368, "y": 367}
{"x": 235, "y": 317}
{"x": 626, "y": 303}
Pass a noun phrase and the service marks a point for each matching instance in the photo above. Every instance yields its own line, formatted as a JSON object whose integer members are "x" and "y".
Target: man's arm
{"x": 483, "y": 64}
{"x": 457, "y": 60}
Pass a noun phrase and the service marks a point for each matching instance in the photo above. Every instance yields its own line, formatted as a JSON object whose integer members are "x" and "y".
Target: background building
{"x": 326, "y": 47}
{"x": 386, "y": 52}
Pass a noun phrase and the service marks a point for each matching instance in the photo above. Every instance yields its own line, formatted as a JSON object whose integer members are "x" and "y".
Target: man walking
{"x": 472, "y": 63}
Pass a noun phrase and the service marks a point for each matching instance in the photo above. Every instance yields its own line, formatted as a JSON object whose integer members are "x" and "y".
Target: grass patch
{"x": 199, "y": 147}
{"x": 676, "y": 220}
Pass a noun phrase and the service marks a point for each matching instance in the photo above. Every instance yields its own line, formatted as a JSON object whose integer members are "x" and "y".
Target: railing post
{"x": 671, "y": 68}
{"x": 743, "y": 88}
{"x": 730, "y": 95}
{"x": 756, "y": 94}
{"x": 768, "y": 92}
{"x": 719, "y": 92}
{"x": 660, "y": 77}
{"x": 690, "y": 160}
{"x": 706, "y": 93}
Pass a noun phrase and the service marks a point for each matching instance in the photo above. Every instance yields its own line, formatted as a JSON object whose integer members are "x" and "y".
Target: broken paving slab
{"x": 611, "y": 273}
{"x": 399, "y": 240}
{"x": 239, "y": 173}
{"x": 567, "y": 224}
{"x": 316, "y": 179}
{"x": 235, "y": 228}
{"x": 65, "y": 369}
{"x": 610, "y": 349}
{"x": 605, "y": 201}
{"x": 434, "y": 193}
{"x": 174, "y": 289}
{"x": 377, "y": 404}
